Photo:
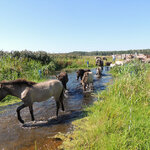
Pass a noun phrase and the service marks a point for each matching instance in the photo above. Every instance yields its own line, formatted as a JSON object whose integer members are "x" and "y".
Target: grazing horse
{"x": 30, "y": 92}
{"x": 63, "y": 77}
{"x": 81, "y": 72}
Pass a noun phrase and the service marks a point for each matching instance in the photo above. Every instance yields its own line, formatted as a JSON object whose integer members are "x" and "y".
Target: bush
{"x": 49, "y": 69}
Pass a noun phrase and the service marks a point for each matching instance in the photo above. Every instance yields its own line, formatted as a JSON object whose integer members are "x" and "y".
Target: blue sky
{"x": 74, "y": 25}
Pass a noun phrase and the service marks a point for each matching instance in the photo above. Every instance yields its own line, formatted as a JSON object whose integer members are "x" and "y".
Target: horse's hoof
{"x": 22, "y": 121}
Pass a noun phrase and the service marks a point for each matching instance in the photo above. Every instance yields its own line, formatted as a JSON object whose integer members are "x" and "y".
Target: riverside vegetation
{"x": 120, "y": 119}
{"x": 26, "y": 64}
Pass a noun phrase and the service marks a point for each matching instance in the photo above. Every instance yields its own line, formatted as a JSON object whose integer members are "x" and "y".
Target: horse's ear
{"x": 56, "y": 76}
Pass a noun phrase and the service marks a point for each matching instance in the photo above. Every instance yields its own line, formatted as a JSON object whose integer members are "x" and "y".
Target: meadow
{"x": 120, "y": 119}
{"x": 37, "y": 67}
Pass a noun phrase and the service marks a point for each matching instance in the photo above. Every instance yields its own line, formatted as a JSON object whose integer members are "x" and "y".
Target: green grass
{"x": 75, "y": 63}
{"x": 9, "y": 100}
{"x": 120, "y": 119}
{"x": 12, "y": 68}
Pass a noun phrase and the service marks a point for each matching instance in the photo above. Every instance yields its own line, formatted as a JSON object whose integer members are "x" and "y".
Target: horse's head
{"x": 3, "y": 92}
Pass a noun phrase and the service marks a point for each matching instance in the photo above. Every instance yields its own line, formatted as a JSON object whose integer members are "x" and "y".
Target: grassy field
{"x": 120, "y": 119}
{"x": 14, "y": 66}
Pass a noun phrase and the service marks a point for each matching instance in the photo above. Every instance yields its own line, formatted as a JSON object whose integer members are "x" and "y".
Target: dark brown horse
{"x": 63, "y": 77}
{"x": 81, "y": 72}
{"x": 30, "y": 92}
{"x": 100, "y": 63}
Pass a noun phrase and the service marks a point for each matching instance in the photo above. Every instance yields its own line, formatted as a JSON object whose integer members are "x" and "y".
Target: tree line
{"x": 107, "y": 53}
{"x": 46, "y": 58}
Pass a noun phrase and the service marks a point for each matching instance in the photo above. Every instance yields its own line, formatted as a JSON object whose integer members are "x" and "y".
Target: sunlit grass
{"x": 120, "y": 119}
{"x": 9, "y": 100}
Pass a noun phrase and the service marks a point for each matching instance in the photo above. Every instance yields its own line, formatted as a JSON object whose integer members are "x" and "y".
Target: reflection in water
{"x": 15, "y": 136}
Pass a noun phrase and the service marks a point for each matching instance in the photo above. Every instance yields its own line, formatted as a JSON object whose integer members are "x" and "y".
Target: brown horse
{"x": 81, "y": 72}
{"x": 99, "y": 72}
{"x": 87, "y": 80}
{"x": 63, "y": 77}
{"x": 30, "y": 92}
{"x": 100, "y": 63}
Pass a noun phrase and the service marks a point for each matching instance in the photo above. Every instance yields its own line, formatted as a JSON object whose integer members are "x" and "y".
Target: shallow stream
{"x": 15, "y": 136}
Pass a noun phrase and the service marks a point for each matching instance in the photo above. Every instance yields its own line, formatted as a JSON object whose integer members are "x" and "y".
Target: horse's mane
{"x": 18, "y": 81}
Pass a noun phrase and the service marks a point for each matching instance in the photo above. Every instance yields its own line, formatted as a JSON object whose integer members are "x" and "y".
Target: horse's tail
{"x": 61, "y": 98}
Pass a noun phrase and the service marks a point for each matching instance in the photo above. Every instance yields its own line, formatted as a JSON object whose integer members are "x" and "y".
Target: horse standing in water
{"x": 30, "y": 92}
{"x": 99, "y": 72}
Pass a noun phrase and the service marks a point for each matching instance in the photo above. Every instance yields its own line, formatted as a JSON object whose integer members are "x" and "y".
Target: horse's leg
{"x": 65, "y": 86}
{"x": 61, "y": 100}
{"x": 18, "y": 112}
{"x": 62, "y": 105}
{"x": 31, "y": 112}
{"x": 57, "y": 105}
{"x": 84, "y": 87}
{"x": 88, "y": 85}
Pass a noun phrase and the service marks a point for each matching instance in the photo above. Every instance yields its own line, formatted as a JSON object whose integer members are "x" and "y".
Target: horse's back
{"x": 55, "y": 87}
{"x": 44, "y": 90}
{"x": 88, "y": 77}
